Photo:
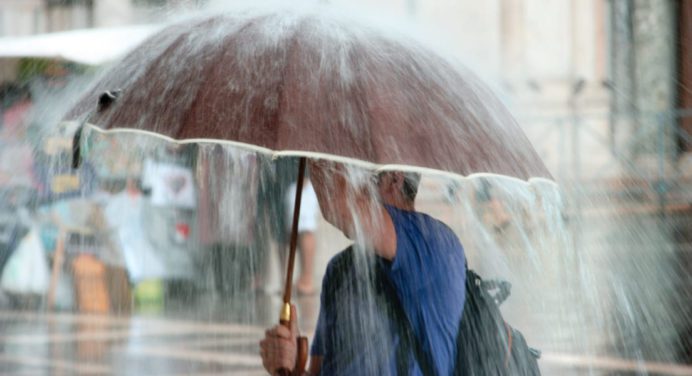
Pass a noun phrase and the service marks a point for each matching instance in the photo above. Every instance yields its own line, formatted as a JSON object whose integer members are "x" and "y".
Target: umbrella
{"x": 313, "y": 85}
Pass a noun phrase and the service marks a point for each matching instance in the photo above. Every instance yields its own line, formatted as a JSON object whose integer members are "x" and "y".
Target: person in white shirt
{"x": 307, "y": 226}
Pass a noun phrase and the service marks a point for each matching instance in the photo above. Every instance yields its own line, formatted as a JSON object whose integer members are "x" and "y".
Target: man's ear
{"x": 398, "y": 179}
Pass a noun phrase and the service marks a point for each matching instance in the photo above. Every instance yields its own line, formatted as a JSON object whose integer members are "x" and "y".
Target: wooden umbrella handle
{"x": 285, "y": 315}
{"x": 301, "y": 356}
{"x": 301, "y": 359}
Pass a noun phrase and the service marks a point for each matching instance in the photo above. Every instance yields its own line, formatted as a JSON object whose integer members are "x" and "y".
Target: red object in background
{"x": 13, "y": 119}
{"x": 182, "y": 231}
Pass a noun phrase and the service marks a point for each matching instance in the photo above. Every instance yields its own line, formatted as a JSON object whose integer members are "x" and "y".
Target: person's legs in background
{"x": 307, "y": 245}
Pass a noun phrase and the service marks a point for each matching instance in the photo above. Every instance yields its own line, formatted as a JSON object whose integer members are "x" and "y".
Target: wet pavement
{"x": 66, "y": 344}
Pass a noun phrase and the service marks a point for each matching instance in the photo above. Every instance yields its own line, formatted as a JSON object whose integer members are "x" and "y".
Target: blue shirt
{"x": 428, "y": 274}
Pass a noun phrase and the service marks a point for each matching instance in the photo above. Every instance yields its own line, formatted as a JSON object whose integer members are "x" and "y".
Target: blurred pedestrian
{"x": 307, "y": 226}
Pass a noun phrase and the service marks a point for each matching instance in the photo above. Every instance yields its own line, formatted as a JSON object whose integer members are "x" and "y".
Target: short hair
{"x": 411, "y": 183}
{"x": 410, "y": 187}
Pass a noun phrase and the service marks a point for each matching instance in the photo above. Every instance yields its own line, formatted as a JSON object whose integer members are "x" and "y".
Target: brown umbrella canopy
{"x": 310, "y": 82}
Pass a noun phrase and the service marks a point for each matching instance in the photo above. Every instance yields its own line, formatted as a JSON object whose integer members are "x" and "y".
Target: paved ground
{"x": 66, "y": 344}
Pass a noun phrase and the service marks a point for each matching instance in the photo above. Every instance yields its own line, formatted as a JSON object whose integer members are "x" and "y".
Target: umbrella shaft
{"x": 294, "y": 231}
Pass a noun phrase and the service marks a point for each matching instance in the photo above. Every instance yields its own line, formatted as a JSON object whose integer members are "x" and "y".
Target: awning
{"x": 86, "y": 46}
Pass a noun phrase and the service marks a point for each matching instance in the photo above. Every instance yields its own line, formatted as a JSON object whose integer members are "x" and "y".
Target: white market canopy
{"x": 85, "y": 46}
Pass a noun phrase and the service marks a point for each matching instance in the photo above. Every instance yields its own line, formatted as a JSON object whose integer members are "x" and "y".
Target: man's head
{"x": 338, "y": 195}
{"x": 398, "y": 188}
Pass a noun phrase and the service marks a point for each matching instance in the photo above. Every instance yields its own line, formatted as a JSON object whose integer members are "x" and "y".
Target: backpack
{"x": 486, "y": 344}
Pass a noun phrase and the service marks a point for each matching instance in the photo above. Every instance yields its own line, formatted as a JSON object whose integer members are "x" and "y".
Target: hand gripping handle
{"x": 301, "y": 343}
{"x": 301, "y": 359}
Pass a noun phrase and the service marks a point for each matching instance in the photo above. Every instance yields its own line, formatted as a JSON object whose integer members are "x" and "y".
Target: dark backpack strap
{"x": 387, "y": 302}
{"x": 482, "y": 342}
{"x": 409, "y": 341}
{"x": 486, "y": 344}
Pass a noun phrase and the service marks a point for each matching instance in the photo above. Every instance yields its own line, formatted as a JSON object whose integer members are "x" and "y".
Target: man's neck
{"x": 402, "y": 204}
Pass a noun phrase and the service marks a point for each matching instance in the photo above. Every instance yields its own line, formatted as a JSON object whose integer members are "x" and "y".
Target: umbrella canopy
{"x": 307, "y": 83}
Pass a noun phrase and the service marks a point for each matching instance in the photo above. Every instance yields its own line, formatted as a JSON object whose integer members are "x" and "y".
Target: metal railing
{"x": 634, "y": 156}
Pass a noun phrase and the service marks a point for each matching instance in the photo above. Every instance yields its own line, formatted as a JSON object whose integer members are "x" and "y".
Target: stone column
{"x": 655, "y": 51}
{"x": 642, "y": 77}
{"x": 622, "y": 78}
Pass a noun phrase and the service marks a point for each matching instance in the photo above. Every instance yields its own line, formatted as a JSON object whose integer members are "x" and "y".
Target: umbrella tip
{"x": 107, "y": 98}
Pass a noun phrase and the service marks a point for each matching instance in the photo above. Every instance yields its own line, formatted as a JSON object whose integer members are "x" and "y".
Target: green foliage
{"x": 30, "y": 68}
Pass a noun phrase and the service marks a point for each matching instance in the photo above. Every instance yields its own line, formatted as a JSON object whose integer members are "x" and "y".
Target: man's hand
{"x": 279, "y": 348}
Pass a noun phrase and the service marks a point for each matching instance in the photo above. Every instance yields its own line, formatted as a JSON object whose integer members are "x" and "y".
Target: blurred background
{"x": 602, "y": 88}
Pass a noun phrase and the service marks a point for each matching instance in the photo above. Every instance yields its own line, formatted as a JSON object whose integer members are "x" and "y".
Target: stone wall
{"x": 643, "y": 76}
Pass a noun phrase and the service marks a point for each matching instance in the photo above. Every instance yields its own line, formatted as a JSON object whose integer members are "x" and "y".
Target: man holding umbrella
{"x": 421, "y": 266}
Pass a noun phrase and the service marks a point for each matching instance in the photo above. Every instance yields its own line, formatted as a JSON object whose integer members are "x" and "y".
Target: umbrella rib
{"x": 190, "y": 111}
{"x": 291, "y": 52}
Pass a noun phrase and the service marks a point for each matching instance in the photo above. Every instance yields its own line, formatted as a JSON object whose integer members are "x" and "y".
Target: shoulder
{"x": 400, "y": 216}
{"x": 418, "y": 219}
{"x": 444, "y": 228}
{"x": 338, "y": 273}
{"x": 339, "y": 263}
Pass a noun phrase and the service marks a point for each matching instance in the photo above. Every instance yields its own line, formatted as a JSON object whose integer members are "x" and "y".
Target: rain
{"x": 153, "y": 153}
